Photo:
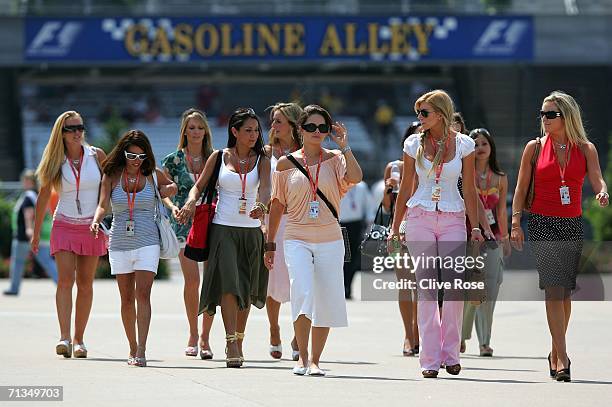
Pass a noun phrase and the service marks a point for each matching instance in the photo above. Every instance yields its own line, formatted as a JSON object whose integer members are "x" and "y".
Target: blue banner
{"x": 281, "y": 39}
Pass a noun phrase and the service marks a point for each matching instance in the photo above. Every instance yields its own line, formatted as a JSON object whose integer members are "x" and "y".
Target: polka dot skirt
{"x": 557, "y": 245}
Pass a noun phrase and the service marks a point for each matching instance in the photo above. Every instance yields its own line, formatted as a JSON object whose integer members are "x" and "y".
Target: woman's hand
{"x": 34, "y": 242}
{"x": 175, "y": 212}
{"x": 269, "y": 259}
{"x": 394, "y": 243}
{"x": 186, "y": 213}
{"x": 94, "y": 228}
{"x": 603, "y": 198}
{"x": 339, "y": 134}
{"x": 517, "y": 237}
{"x": 476, "y": 235}
{"x": 258, "y": 211}
{"x": 507, "y": 249}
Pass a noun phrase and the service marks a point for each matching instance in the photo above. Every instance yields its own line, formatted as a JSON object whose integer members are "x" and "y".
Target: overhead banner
{"x": 283, "y": 39}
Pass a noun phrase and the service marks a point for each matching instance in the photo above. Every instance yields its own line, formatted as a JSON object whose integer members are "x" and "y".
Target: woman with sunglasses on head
{"x": 235, "y": 276}
{"x": 284, "y": 138}
{"x": 184, "y": 166}
{"x": 435, "y": 225}
{"x": 313, "y": 242}
{"x": 555, "y": 226}
{"x": 406, "y": 298}
{"x": 492, "y": 187}
{"x": 129, "y": 183}
{"x": 71, "y": 167}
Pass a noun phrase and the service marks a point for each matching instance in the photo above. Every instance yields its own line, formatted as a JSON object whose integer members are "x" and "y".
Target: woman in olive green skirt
{"x": 235, "y": 276}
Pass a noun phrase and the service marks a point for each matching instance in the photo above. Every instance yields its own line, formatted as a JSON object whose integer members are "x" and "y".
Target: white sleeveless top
{"x": 88, "y": 190}
{"x": 229, "y": 190}
{"x": 450, "y": 199}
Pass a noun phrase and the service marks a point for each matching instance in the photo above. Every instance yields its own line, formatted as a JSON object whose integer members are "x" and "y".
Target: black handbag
{"x": 345, "y": 237}
{"x": 374, "y": 243}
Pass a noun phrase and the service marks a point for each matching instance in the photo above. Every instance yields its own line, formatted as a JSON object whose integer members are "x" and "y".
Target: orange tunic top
{"x": 292, "y": 189}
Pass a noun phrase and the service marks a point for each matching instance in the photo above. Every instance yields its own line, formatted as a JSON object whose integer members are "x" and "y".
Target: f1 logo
{"x": 54, "y": 39}
{"x": 501, "y": 37}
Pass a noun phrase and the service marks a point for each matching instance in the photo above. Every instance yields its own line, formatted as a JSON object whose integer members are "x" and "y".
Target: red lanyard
{"x": 246, "y": 173}
{"x": 441, "y": 165}
{"x": 77, "y": 175}
{"x": 486, "y": 193}
{"x": 196, "y": 175}
{"x": 314, "y": 185}
{"x": 132, "y": 200}
{"x": 567, "y": 158}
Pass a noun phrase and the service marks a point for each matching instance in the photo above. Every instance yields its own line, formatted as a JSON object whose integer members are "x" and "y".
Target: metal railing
{"x": 299, "y": 7}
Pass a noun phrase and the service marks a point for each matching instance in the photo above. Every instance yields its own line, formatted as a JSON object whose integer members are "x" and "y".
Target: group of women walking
{"x": 275, "y": 235}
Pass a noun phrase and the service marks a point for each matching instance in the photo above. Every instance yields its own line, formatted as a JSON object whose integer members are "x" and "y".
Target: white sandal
{"x": 80, "y": 351}
{"x": 276, "y": 349}
{"x": 64, "y": 348}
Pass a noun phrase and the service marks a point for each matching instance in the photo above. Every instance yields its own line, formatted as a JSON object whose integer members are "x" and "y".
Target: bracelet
{"x": 270, "y": 246}
{"x": 345, "y": 149}
{"x": 605, "y": 194}
{"x": 262, "y": 206}
{"x": 516, "y": 213}
{"x": 476, "y": 229}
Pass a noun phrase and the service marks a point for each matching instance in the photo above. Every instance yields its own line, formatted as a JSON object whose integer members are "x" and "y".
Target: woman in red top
{"x": 555, "y": 221}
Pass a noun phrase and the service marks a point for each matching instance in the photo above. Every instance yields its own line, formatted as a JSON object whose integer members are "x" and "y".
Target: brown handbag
{"x": 531, "y": 190}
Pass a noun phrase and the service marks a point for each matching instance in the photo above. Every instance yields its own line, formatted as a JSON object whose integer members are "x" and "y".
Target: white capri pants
{"x": 317, "y": 282}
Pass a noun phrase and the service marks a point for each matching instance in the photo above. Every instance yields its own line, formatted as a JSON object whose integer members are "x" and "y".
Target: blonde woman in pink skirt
{"x": 284, "y": 138}
{"x": 72, "y": 168}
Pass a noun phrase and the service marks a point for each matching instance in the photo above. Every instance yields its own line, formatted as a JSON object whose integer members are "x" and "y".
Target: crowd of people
{"x": 288, "y": 212}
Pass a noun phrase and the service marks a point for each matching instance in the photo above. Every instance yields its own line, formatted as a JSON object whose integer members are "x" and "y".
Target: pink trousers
{"x": 437, "y": 235}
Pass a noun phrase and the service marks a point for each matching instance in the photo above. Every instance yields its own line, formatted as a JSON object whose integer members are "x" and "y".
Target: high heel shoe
{"x": 564, "y": 375}
{"x": 552, "y": 371}
{"x": 231, "y": 362}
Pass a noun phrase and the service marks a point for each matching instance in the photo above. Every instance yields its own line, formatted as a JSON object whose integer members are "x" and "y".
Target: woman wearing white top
{"x": 435, "y": 226}
{"x": 71, "y": 167}
{"x": 235, "y": 276}
{"x": 284, "y": 138}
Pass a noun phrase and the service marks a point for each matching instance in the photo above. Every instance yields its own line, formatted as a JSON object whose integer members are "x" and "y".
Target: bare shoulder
{"x": 284, "y": 164}
{"x": 99, "y": 153}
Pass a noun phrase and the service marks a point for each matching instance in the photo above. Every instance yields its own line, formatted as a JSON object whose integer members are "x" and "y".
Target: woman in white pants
{"x": 314, "y": 249}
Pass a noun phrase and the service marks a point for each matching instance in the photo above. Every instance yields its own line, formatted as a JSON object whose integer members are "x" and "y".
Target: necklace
{"x": 131, "y": 180}
{"x": 240, "y": 160}
{"x": 76, "y": 162}
{"x": 561, "y": 146}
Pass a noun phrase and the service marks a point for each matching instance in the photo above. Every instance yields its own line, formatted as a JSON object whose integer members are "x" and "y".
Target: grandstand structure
{"x": 145, "y": 61}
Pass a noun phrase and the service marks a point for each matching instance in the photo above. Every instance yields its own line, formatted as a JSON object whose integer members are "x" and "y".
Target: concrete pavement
{"x": 364, "y": 363}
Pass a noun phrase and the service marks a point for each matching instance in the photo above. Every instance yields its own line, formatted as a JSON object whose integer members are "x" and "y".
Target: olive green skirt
{"x": 235, "y": 266}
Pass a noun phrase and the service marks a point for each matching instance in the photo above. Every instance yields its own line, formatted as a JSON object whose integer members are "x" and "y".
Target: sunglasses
{"x": 311, "y": 127}
{"x": 422, "y": 112}
{"x": 73, "y": 128}
{"x": 551, "y": 114}
{"x": 134, "y": 156}
{"x": 243, "y": 110}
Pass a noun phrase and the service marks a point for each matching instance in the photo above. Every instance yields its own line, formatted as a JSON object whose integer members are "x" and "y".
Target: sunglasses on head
{"x": 134, "y": 156}
{"x": 242, "y": 110}
{"x": 551, "y": 114}
{"x": 422, "y": 112}
{"x": 73, "y": 128}
{"x": 311, "y": 127}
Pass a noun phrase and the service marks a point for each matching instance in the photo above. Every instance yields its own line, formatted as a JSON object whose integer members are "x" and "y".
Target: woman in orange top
{"x": 314, "y": 248}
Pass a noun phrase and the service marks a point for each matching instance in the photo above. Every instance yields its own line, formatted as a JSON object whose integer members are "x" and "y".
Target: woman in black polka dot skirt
{"x": 555, "y": 226}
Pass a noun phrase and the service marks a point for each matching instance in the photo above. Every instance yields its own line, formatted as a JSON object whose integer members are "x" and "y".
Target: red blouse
{"x": 547, "y": 199}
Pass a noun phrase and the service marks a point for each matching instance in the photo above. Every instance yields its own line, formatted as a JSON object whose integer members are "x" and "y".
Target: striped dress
{"x": 145, "y": 228}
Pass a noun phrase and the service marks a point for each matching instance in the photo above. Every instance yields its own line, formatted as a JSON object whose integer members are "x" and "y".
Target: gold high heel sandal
{"x": 240, "y": 336}
{"x": 231, "y": 362}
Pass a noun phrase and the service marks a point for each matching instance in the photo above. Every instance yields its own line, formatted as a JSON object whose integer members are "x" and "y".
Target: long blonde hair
{"x": 49, "y": 171}
{"x": 292, "y": 112}
{"x": 207, "y": 142}
{"x": 570, "y": 111}
{"x": 442, "y": 104}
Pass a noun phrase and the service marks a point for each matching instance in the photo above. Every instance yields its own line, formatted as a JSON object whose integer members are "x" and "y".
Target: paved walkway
{"x": 363, "y": 362}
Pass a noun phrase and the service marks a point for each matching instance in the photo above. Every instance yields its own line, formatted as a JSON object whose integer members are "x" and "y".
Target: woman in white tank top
{"x": 235, "y": 276}
{"x": 71, "y": 167}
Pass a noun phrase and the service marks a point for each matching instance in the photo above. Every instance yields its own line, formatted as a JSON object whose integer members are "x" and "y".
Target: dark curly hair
{"x": 115, "y": 162}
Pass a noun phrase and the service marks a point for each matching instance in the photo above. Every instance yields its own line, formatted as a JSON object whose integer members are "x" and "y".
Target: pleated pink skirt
{"x": 77, "y": 239}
